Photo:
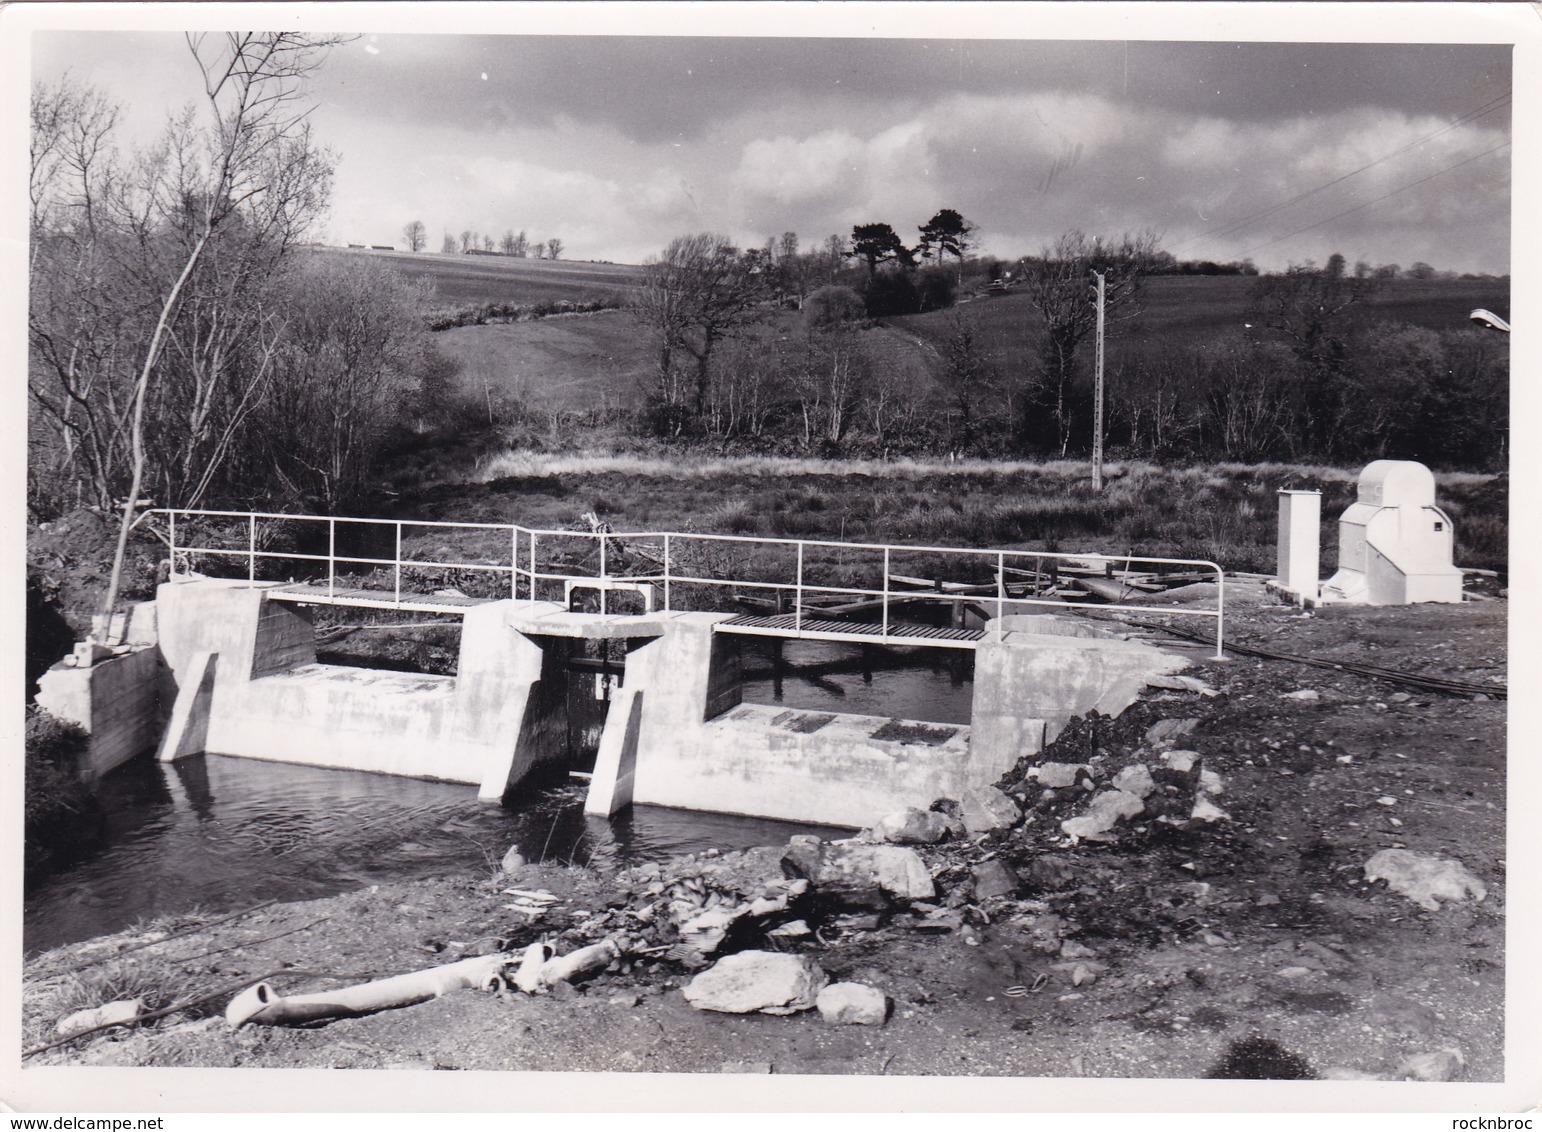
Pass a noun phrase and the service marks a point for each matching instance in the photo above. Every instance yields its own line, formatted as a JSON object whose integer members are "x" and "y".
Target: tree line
{"x": 511, "y": 243}
{"x": 772, "y": 350}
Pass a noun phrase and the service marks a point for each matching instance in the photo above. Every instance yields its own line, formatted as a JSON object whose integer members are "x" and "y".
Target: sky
{"x": 616, "y": 144}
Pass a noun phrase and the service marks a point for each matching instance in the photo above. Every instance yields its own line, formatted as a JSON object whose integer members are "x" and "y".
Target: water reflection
{"x": 934, "y": 685}
{"x": 220, "y": 833}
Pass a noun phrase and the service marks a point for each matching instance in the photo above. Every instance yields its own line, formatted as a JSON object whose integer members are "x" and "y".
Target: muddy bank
{"x": 1168, "y": 942}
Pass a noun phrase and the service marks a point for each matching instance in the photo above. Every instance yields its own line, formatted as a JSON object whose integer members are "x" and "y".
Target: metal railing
{"x": 672, "y": 560}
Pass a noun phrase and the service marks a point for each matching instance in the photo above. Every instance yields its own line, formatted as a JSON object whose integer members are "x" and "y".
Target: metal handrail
{"x": 669, "y": 575}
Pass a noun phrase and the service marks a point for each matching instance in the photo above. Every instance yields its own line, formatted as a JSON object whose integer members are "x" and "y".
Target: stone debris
{"x": 852, "y": 1004}
{"x": 1207, "y": 811}
{"x": 1423, "y": 878}
{"x": 122, "y": 1011}
{"x": 1169, "y": 731}
{"x": 1180, "y": 683}
{"x": 1305, "y": 694}
{"x": 853, "y": 873}
{"x": 1437, "y": 1065}
{"x": 1057, "y": 776}
{"x": 913, "y": 827}
{"x": 748, "y": 982}
{"x": 994, "y": 878}
{"x": 985, "y": 808}
{"x": 1105, "y": 811}
{"x": 1181, "y": 761}
{"x": 1135, "y": 779}
{"x": 513, "y": 860}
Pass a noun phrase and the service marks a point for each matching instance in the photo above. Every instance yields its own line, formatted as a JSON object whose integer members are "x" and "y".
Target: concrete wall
{"x": 489, "y": 724}
{"x": 117, "y": 701}
{"x": 757, "y": 760}
{"x": 1031, "y": 677}
{"x": 679, "y": 736}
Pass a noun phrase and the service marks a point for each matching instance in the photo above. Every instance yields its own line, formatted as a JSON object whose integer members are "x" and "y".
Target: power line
{"x": 1384, "y": 196}
{"x": 1231, "y": 226}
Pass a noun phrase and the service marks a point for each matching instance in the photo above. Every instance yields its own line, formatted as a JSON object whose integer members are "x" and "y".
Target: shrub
{"x": 54, "y": 795}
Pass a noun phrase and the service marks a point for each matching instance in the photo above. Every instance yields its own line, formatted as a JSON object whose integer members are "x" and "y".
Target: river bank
{"x": 1251, "y": 944}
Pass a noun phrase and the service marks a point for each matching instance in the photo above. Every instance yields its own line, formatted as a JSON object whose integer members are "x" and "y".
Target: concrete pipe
{"x": 262, "y": 1005}
{"x": 575, "y": 965}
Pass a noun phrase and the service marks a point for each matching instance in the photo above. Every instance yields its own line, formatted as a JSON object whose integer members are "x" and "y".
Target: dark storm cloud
{"x": 650, "y": 89}
{"x": 618, "y": 144}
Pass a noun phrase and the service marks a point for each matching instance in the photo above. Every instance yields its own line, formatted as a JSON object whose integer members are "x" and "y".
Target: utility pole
{"x": 1097, "y": 395}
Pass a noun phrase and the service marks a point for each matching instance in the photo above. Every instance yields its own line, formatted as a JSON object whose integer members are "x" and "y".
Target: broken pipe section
{"x": 538, "y": 971}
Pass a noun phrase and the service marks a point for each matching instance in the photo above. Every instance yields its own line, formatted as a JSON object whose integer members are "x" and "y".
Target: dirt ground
{"x": 1248, "y": 946}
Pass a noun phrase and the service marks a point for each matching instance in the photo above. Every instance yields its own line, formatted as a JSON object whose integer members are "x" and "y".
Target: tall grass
{"x": 1223, "y": 512}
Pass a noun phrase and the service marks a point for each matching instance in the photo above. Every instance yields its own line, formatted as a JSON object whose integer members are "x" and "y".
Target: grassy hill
{"x": 602, "y": 360}
{"x": 467, "y": 280}
{"x": 1185, "y": 311}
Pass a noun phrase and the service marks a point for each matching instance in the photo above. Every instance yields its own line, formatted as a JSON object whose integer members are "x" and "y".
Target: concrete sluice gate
{"x": 239, "y": 672}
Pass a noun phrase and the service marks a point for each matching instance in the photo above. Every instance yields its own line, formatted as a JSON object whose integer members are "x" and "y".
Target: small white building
{"x": 1395, "y": 545}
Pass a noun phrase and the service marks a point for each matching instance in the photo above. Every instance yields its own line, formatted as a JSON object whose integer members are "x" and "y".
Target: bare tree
{"x": 1058, "y": 286}
{"x": 554, "y": 248}
{"x": 695, "y": 294}
{"x": 252, "y": 162}
{"x": 538, "y": 249}
{"x": 506, "y": 245}
{"x": 448, "y": 246}
{"x": 416, "y": 236}
{"x": 468, "y": 240}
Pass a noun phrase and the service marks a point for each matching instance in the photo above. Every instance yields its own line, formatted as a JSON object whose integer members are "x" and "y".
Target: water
{"x": 934, "y": 685}
{"x": 221, "y": 834}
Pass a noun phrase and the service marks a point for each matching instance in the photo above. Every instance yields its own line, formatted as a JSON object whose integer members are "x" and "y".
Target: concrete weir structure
{"x": 240, "y": 678}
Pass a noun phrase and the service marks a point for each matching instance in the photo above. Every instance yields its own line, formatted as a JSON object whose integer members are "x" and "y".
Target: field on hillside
{"x": 1184, "y": 311}
{"x": 582, "y": 362}
{"x": 565, "y": 363}
{"x": 466, "y": 280}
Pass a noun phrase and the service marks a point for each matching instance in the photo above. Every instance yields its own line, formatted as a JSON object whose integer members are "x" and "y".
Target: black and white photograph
{"x": 939, "y": 555}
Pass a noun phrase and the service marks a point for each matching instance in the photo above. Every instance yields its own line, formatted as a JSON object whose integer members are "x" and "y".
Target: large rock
{"x": 1107, "y": 810}
{"x": 865, "y": 875}
{"x": 1424, "y": 879}
{"x": 984, "y": 808}
{"x": 1057, "y": 776}
{"x": 913, "y": 827}
{"x": 1135, "y": 779}
{"x": 994, "y": 878}
{"x": 854, "y": 1004}
{"x": 765, "y": 981}
{"x": 1169, "y": 731}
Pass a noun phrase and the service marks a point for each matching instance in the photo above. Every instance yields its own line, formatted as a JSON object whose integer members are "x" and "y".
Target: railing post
{"x": 532, "y": 565}
{"x": 1001, "y": 585}
{"x": 1220, "y": 613}
{"x": 397, "y": 562}
{"x": 667, "y": 606}
{"x": 884, "y": 632}
{"x": 331, "y": 554}
{"x": 513, "y": 563}
{"x": 171, "y": 539}
{"x": 604, "y": 588}
{"x": 797, "y": 606}
{"x": 251, "y": 549}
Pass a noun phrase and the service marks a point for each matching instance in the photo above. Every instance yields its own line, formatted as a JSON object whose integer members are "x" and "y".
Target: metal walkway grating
{"x": 787, "y": 625}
